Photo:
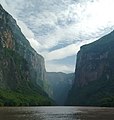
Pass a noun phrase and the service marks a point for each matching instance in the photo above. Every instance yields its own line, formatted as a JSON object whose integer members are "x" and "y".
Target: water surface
{"x": 56, "y": 113}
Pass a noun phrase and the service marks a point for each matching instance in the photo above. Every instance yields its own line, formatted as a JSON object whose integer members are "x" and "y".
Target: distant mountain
{"x": 59, "y": 85}
{"x": 22, "y": 70}
{"x": 94, "y": 75}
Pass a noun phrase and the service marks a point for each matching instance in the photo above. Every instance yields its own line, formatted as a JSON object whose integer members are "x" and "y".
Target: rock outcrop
{"x": 21, "y": 68}
{"x": 12, "y": 38}
{"x": 94, "y": 75}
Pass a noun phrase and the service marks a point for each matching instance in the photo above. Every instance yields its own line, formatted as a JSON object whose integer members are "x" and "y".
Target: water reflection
{"x": 56, "y": 113}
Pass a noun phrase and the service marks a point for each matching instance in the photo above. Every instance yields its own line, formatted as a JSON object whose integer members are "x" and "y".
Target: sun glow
{"x": 71, "y": 23}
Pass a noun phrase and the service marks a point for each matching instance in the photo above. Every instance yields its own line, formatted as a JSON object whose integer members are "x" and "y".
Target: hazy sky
{"x": 57, "y": 28}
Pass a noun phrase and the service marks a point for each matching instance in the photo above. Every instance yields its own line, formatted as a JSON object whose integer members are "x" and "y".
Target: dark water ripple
{"x": 56, "y": 113}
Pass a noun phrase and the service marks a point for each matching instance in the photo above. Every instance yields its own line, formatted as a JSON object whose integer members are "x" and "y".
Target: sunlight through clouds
{"x": 73, "y": 23}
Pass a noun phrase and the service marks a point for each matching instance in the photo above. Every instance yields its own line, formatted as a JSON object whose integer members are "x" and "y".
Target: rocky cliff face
{"x": 94, "y": 73}
{"x": 12, "y": 38}
{"x": 21, "y": 68}
{"x": 95, "y": 60}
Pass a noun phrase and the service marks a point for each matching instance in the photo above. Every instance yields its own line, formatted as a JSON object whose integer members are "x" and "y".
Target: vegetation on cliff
{"x": 22, "y": 70}
{"x": 94, "y": 75}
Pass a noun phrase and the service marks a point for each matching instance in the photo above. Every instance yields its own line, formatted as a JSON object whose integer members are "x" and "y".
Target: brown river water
{"x": 56, "y": 113}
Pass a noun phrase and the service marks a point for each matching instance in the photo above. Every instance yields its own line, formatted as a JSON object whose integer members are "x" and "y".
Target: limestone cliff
{"x": 12, "y": 38}
{"x": 21, "y": 68}
{"x": 94, "y": 75}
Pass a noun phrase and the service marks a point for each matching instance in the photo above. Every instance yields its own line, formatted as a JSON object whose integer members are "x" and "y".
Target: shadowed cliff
{"x": 94, "y": 75}
{"x": 22, "y": 70}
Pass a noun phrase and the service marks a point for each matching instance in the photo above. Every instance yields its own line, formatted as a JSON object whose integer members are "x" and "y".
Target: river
{"x": 56, "y": 113}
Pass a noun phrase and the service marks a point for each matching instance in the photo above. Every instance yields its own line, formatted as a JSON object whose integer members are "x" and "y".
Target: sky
{"x": 57, "y": 28}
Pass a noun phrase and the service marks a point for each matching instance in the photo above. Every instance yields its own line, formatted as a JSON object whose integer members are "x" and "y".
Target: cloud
{"x": 59, "y": 67}
{"x": 63, "y": 52}
{"x": 30, "y": 36}
{"x": 25, "y": 30}
{"x": 67, "y": 51}
{"x": 62, "y": 24}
